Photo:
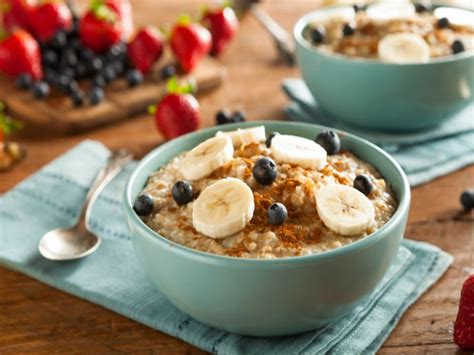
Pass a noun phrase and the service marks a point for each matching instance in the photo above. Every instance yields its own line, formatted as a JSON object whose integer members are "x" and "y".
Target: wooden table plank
{"x": 37, "y": 318}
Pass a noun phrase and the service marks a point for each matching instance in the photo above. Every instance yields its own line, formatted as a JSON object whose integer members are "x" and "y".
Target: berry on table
{"x": 167, "y": 71}
{"x": 457, "y": 47}
{"x": 464, "y": 325}
{"x": 143, "y": 205}
{"x": 182, "y": 192}
{"x": 265, "y": 171}
{"x": 364, "y": 184}
{"x": 467, "y": 200}
{"x": 277, "y": 214}
{"x": 134, "y": 77}
{"x": 223, "y": 116}
{"x": 239, "y": 116}
{"x": 330, "y": 141}
{"x": 268, "y": 142}
{"x": 77, "y": 98}
{"x": 109, "y": 73}
{"x": 24, "y": 81}
{"x": 98, "y": 81}
{"x": 96, "y": 95}
{"x": 40, "y": 89}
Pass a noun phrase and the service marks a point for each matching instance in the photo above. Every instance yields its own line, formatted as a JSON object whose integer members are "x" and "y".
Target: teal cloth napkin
{"x": 423, "y": 155}
{"x": 113, "y": 278}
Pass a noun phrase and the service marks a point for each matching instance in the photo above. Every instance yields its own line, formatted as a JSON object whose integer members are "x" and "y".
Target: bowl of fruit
{"x": 389, "y": 66}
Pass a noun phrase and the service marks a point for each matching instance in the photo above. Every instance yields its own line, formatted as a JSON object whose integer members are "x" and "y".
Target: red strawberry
{"x": 145, "y": 49}
{"x": 20, "y": 53}
{"x": 464, "y": 325}
{"x": 223, "y": 25}
{"x": 16, "y": 13}
{"x": 190, "y": 42}
{"x": 178, "y": 111}
{"x": 124, "y": 10}
{"x": 100, "y": 28}
{"x": 48, "y": 18}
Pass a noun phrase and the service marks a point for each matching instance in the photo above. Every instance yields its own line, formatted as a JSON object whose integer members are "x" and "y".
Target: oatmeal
{"x": 289, "y": 199}
{"x": 393, "y": 32}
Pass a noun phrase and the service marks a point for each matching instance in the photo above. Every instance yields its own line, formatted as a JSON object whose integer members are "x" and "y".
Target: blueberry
{"x": 443, "y": 22}
{"x": 239, "y": 116}
{"x": 167, "y": 71}
{"x": 51, "y": 76}
{"x": 467, "y": 200}
{"x": 72, "y": 87}
{"x": 143, "y": 205}
{"x": 268, "y": 142}
{"x": 457, "y": 47}
{"x": 318, "y": 34}
{"x": 330, "y": 141}
{"x": 134, "y": 77}
{"x": 70, "y": 57}
{"x": 265, "y": 171}
{"x": 420, "y": 8}
{"x": 182, "y": 192}
{"x": 116, "y": 51}
{"x": 59, "y": 40}
{"x": 96, "y": 95}
{"x": 88, "y": 55}
{"x": 95, "y": 64}
{"x": 24, "y": 81}
{"x": 363, "y": 183}
{"x": 98, "y": 81}
{"x": 109, "y": 73}
{"x": 50, "y": 57}
{"x": 76, "y": 43}
{"x": 348, "y": 30}
{"x": 77, "y": 98}
{"x": 277, "y": 214}
{"x": 63, "y": 83}
{"x": 81, "y": 70}
{"x": 119, "y": 67}
{"x": 40, "y": 89}
{"x": 69, "y": 72}
{"x": 223, "y": 116}
{"x": 358, "y": 8}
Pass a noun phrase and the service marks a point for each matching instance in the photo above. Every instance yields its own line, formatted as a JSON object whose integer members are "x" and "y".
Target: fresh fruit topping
{"x": 145, "y": 49}
{"x": 358, "y": 7}
{"x": 24, "y": 81}
{"x": 100, "y": 28}
{"x": 464, "y": 324}
{"x": 19, "y": 54}
{"x": 205, "y": 158}
{"x": 182, "y": 192}
{"x": 298, "y": 151}
{"x": 134, "y": 77}
{"x": 348, "y": 30}
{"x": 344, "y": 209}
{"x": 265, "y": 171}
{"x": 143, "y": 205}
{"x": 167, "y": 72}
{"x": 339, "y": 13}
{"x": 404, "y": 48}
{"x": 268, "y": 142}
{"x": 330, "y": 141}
{"x": 443, "y": 22}
{"x": 48, "y": 18}
{"x": 223, "y": 24}
{"x": 419, "y": 8}
{"x": 456, "y": 17}
{"x": 223, "y": 208}
{"x": 40, "y": 89}
{"x": 467, "y": 200}
{"x": 390, "y": 11}
{"x": 190, "y": 42}
{"x": 245, "y": 136}
{"x": 277, "y": 214}
{"x": 457, "y": 47}
{"x": 178, "y": 112}
{"x": 317, "y": 34}
{"x": 363, "y": 183}
{"x": 97, "y": 95}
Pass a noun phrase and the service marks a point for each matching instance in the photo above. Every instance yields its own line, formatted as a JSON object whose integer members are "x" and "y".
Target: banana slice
{"x": 390, "y": 10}
{"x": 344, "y": 209}
{"x": 245, "y": 136}
{"x": 341, "y": 13}
{"x": 403, "y": 48}
{"x": 206, "y": 157}
{"x": 299, "y": 151}
{"x": 223, "y": 208}
{"x": 456, "y": 17}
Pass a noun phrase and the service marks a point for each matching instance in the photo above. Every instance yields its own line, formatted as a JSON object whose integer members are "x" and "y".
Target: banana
{"x": 403, "y": 48}
{"x": 344, "y": 209}
{"x": 390, "y": 10}
{"x": 456, "y": 17}
{"x": 299, "y": 151}
{"x": 341, "y": 13}
{"x": 206, "y": 157}
{"x": 223, "y": 208}
{"x": 245, "y": 135}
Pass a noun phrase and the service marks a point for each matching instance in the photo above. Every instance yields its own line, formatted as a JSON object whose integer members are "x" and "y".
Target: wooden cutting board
{"x": 57, "y": 115}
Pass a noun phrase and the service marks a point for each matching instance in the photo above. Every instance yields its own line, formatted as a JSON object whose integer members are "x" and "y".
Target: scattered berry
{"x": 134, "y": 77}
{"x": 143, "y": 205}
{"x": 223, "y": 24}
{"x": 363, "y": 183}
{"x": 268, "y": 142}
{"x": 167, "y": 71}
{"x": 109, "y": 73}
{"x": 467, "y": 200}
{"x": 265, "y": 171}
{"x": 348, "y": 30}
{"x": 238, "y": 116}
{"x": 77, "y": 98}
{"x": 457, "y": 47}
{"x": 97, "y": 95}
{"x": 182, "y": 192}
{"x": 330, "y": 141}
{"x": 317, "y": 34}
{"x": 464, "y": 324}
{"x": 277, "y": 214}
{"x": 24, "y": 81}
{"x": 40, "y": 89}
{"x": 443, "y": 22}
{"x": 145, "y": 49}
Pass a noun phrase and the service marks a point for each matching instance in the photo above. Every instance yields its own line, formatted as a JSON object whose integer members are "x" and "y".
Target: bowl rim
{"x": 301, "y": 41}
{"x": 148, "y": 233}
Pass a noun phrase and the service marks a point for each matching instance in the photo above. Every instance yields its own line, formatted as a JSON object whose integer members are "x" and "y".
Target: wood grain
{"x": 37, "y": 318}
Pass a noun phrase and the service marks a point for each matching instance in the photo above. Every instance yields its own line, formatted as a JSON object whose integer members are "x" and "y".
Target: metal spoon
{"x": 78, "y": 241}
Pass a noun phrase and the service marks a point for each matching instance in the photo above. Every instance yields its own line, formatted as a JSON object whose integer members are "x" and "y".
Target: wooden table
{"x": 35, "y": 317}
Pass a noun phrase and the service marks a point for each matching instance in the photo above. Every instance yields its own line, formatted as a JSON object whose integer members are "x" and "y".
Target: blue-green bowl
{"x": 268, "y": 297}
{"x": 369, "y": 94}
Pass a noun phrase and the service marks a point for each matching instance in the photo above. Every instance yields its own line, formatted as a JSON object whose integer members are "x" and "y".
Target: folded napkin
{"x": 113, "y": 278}
{"x": 424, "y": 155}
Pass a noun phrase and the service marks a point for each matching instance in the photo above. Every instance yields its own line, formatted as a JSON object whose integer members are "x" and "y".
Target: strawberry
{"x": 100, "y": 28}
{"x": 178, "y": 112}
{"x": 20, "y": 53}
{"x": 16, "y": 13}
{"x": 223, "y": 25}
{"x": 145, "y": 49}
{"x": 464, "y": 325}
{"x": 48, "y": 18}
{"x": 190, "y": 42}
{"x": 125, "y": 13}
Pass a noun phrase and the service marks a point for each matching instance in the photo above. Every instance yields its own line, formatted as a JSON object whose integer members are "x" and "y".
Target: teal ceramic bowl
{"x": 276, "y": 296}
{"x": 373, "y": 95}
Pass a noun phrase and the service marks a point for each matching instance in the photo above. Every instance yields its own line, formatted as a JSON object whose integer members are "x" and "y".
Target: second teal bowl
{"x": 268, "y": 297}
{"x": 385, "y": 97}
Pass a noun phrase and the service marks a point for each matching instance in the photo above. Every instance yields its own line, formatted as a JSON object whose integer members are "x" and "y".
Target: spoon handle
{"x": 116, "y": 162}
